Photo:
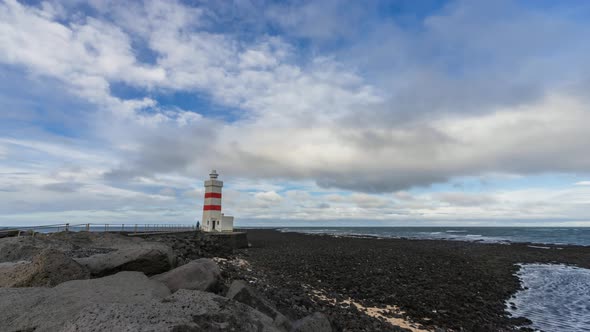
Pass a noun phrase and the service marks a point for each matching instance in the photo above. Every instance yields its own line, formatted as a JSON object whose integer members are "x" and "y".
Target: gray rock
{"x": 185, "y": 310}
{"x": 201, "y": 274}
{"x": 8, "y": 233}
{"x": 50, "y": 267}
{"x": 14, "y": 249}
{"x": 72, "y": 243}
{"x": 240, "y": 291}
{"x": 101, "y": 253}
{"x": 317, "y": 322}
{"x": 49, "y": 309}
{"x": 148, "y": 257}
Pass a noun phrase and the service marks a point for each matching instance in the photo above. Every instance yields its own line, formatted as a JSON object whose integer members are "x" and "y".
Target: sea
{"x": 555, "y": 297}
{"x": 540, "y": 235}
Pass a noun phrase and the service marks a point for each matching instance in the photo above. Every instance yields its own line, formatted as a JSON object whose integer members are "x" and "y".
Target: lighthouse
{"x": 213, "y": 220}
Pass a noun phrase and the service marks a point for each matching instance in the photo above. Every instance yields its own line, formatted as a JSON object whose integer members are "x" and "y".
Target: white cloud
{"x": 368, "y": 201}
{"x": 269, "y": 197}
{"x": 465, "y": 199}
{"x": 86, "y": 55}
{"x": 58, "y": 150}
{"x": 299, "y": 118}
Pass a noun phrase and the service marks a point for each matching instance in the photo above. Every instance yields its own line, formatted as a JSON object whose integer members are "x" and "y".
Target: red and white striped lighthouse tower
{"x": 212, "y": 216}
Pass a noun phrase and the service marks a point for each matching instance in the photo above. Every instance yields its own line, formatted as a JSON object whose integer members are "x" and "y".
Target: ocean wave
{"x": 480, "y": 235}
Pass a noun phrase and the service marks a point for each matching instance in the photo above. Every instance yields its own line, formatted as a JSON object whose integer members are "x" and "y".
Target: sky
{"x": 314, "y": 113}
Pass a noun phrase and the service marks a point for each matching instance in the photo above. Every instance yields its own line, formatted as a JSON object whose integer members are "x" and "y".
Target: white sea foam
{"x": 478, "y": 234}
{"x": 555, "y": 298}
{"x": 539, "y": 247}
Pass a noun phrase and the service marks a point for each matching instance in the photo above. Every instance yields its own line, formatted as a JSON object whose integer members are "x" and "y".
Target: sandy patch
{"x": 238, "y": 262}
{"x": 376, "y": 312}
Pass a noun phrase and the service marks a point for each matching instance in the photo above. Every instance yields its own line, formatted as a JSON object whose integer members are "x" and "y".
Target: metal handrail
{"x": 104, "y": 228}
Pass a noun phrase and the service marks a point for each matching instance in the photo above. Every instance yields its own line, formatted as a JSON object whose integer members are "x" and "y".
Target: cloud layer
{"x": 362, "y": 108}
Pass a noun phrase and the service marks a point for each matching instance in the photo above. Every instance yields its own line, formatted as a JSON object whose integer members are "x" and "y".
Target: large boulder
{"x": 240, "y": 291}
{"x": 48, "y": 268}
{"x": 201, "y": 274}
{"x": 49, "y": 309}
{"x": 185, "y": 310}
{"x": 317, "y": 322}
{"x": 148, "y": 257}
{"x": 101, "y": 253}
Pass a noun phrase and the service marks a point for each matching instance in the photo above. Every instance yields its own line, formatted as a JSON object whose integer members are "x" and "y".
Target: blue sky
{"x": 314, "y": 112}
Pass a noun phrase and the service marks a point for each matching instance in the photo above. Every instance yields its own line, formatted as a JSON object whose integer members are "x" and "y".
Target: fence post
{"x": 88, "y": 227}
{"x": 67, "y": 227}
{"x": 122, "y": 227}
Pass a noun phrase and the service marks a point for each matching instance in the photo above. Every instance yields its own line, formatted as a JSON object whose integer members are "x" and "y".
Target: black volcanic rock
{"x": 449, "y": 285}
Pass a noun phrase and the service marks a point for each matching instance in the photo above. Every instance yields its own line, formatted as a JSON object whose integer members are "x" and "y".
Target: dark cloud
{"x": 167, "y": 149}
{"x": 373, "y": 182}
{"x": 9, "y": 189}
{"x": 323, "y": 206}
{"x": 470, "y": 57}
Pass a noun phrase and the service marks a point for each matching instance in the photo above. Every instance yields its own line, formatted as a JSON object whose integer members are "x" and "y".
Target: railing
{"x": 114, "y": 228}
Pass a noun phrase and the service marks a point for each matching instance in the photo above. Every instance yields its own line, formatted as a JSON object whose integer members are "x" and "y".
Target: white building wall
{"x": 227, "y": 224}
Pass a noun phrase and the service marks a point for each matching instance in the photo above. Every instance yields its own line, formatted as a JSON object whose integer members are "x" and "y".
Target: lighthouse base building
{"x": 213, "y": 220}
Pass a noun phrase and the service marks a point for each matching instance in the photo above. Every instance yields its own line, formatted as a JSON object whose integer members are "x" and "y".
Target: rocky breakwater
{"x": 91, "y": 254}
{"x": 109, "y": 282}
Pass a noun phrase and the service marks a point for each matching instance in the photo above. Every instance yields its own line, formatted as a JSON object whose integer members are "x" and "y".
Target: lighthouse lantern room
{"x": 213, "y": 220}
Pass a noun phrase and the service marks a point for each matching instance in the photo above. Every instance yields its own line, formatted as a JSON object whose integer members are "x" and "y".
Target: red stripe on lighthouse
{"x": 212, "y": 207}
{"x": 212, "y": 195}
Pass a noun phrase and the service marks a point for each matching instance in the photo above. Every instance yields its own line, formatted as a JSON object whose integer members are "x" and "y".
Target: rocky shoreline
{"x": 284, "y": 282}
{"x": 81, "y": 281}
{"x": 368, "y": 284}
